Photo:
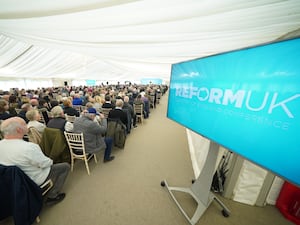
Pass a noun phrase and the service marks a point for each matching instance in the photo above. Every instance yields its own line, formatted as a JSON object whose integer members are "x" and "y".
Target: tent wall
{"x": 247, "y": 186}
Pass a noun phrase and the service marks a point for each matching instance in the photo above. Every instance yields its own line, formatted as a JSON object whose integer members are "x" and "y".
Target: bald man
{"x": 14, "y": 151}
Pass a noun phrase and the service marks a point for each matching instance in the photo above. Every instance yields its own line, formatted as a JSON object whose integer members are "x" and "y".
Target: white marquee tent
{"x": 43, "y": 43}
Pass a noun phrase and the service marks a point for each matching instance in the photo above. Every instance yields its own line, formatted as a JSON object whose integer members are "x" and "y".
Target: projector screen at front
{"x": 247, "y": 101}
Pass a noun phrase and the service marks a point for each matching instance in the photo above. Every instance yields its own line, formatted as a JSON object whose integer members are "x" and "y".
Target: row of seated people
{"x": 74, "y": 110}
{"x": 47, "y": 98}
{"x": 69, "y": 110}
{"x": 35, "y": 163}
{"x": 28, "y": 157}
{"x": 32, "y": 159}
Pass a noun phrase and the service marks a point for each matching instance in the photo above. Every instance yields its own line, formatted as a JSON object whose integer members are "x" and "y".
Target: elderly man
{"x": 93, "y": 132}
{"x": 118, "y": 113}
{"x": 14, "y": 151}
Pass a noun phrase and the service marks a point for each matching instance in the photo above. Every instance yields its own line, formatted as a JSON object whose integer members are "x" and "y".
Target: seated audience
{"x": 28, "y": 156}
{"x": 24, "y": 108}
{"x": 13, "y": 105}
{"x": 146, "y": 105}
{"x": 98, "y": 103}
{"x": 108, "y": 104}
{"x": 77, "y": 100}
{"x": 68, "y": 109}
{"x": 93, "y": 133}
{"x": 34, "y": 117}
{"x": 34, "y": 103}
{"x": 58, "y": 120}
{"x": 139, "y": 101}
{"x": 130, "y": 109}
{"x": 118, "y": 113}
{"x": 4, "y": 110}
{"x": 43, "y": 108}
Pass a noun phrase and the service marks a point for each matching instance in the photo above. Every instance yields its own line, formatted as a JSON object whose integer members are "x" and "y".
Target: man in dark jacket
{"x": 118, "y": 113}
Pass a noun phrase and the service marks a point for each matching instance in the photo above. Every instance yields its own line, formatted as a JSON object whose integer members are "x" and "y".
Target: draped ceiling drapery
{"x": 129, "y": 40}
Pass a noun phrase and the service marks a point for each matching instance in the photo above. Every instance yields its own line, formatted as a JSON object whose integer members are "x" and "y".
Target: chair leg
{"x": 95, "y": 157}
{"x": 72, "y": 163}
{"x": 87, "y": 165}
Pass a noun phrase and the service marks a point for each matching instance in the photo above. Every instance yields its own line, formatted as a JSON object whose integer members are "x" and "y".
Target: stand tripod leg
{"x": 200, "y": 189}
{"x": 225, "y": 210}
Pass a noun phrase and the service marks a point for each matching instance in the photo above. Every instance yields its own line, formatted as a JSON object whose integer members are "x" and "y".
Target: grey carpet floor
{"x": 127, "y": 191}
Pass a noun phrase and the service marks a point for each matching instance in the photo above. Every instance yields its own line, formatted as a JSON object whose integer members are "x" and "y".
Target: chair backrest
{"x": 75, "y": 142}
{"x": 138, "y": 109}
{"x": 151, "y": 100}
{"x": 77, "y": 107}
{"x": 82, "y": 108}
{"x": 34, "y": 135}
{"x": 106, "y": 111}
{"x": 69, "y": 118}
{"x": 18, "y": 110}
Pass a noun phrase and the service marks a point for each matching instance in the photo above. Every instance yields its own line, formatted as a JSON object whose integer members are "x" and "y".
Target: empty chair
{"x": 77, "y": 150}
{"x": 139, "y": 111}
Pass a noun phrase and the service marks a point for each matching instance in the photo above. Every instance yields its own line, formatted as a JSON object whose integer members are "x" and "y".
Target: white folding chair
{"x": 69, "y": 118}
{"x": 139, "y": 111}
{"x": 77, "y": 150}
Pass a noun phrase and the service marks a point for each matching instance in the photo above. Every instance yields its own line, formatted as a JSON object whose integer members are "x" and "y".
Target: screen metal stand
{"x": 200, "y": 188}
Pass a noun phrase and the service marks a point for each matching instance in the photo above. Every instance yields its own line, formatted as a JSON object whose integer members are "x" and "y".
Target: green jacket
{"x": 54, "y": 145}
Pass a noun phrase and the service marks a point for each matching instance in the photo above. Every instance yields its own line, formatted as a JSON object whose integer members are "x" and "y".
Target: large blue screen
{"x": 247, "y": 101}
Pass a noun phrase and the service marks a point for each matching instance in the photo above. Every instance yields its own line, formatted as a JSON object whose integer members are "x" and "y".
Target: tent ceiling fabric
{"x": 129, "y": 40}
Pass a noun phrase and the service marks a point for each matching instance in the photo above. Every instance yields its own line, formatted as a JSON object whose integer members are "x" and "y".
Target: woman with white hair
{"x": 34, "y": 116}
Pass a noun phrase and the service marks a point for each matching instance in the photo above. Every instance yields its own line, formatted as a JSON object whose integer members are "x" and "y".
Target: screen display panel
{"x": 246, "y": 100}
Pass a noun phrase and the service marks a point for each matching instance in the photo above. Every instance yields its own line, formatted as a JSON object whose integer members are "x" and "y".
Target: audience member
{"x": 68, "y": 109}
{"x": 146, "y": 105}
{"x": 118, "y": 113}
{"x": 4, "y": 110}
{"x": 77, "y": 100}
{"x": 139, "y": 101}
{"x": 29, "y": 157}
{"x": 94, "y": 133}
{"x": 108, "y": 104}
{"x": 24, "y": 108}
{"x": 13, "y": 105}
{"x": 129, "y": 107}
{"x": 34, "y": 117}
{"x": 58, "y": 120}
{"x": 34, "y": 103}
{"x": 98, "y": 102}
{"x": 43, "y": 109}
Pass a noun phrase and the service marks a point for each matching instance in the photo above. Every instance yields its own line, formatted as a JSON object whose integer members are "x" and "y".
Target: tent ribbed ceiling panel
{"x": 129, "y": 40}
